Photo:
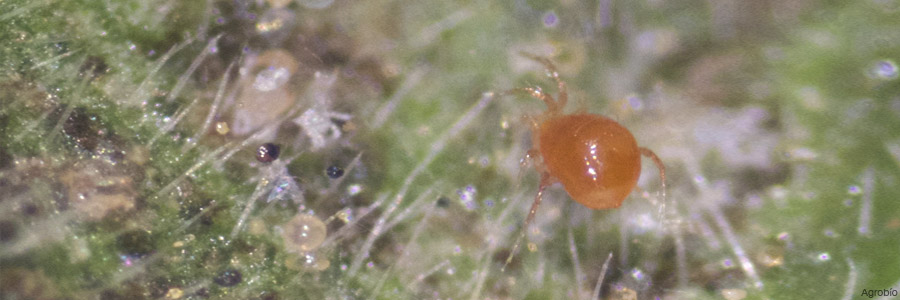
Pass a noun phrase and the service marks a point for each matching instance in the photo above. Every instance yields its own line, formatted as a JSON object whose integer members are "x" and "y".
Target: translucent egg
{"x": 304, "y": 233}
{"x": 265, "y": 93}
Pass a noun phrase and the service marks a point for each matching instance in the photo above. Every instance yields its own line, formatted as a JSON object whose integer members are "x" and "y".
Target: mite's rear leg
{"x": 551, "y": 103}
{"x": 554, "y": 73}
{"x": 545, "y": 182}
{"x": 662, "y": 178}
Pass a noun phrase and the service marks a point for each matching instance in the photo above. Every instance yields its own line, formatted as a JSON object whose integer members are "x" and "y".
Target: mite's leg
{"x": 545, "y": 182}
{"x": 537, "y": 93}
{"x": 662, "y": 176}
{"x": 554, "y": 73}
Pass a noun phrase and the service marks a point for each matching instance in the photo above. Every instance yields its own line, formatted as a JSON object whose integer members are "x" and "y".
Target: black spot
{"x": 30, "y": 209}
{"x": 136, "y": 243}
{"x": 110, "y": 295}
{"x": 6, "y": 159}
{"x": 267, "y": 152}
{"x": 334, "y": 172}
{"x": 93, "y": 66}
{"x": 443, "y": 201}
{"x": 83, "y": 129}
{"x": 159, "y": 287}
{"x": 229, "y": 277}
{"x": 7, "y": 231}
{"x": 202, "y": 293}
{"x": 340, "y": 123}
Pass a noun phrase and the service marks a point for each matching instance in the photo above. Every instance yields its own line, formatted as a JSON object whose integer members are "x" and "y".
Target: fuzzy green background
{"x": 129, "y": 132}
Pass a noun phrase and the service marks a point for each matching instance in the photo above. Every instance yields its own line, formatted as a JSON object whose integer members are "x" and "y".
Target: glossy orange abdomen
{"x": 597, "y": 160}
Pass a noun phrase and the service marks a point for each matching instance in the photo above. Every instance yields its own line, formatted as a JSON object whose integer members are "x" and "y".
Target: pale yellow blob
{"x": 222, "y": 128}
{"x": 174, "y": 293}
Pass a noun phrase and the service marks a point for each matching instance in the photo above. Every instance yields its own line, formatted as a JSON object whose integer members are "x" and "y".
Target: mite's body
{"x": 596, "y": 160}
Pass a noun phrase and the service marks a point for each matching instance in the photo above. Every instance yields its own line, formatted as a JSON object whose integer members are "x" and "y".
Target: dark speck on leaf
{"x": 443, "y": 202}
{"x": 229, "y": 277}
{"x": 267, "y": 152}
{"x": 135, "y": 243}
{"x": 93, "y": 66}
{"x": 7, "y": 231}
{"x": 334, "y": 172}
{"x": 30, "y": 209}
{"x": 83, "y": 129}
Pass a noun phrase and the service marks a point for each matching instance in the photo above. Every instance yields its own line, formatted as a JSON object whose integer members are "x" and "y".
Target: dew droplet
{"x": 885, "y": 70}
{"x": 354, "y": 189}
{"x": 637, "y": 274}
{"x": 467, "y": 196}
{"x": 783, "y": 236}
{"x": 550, "y": 19}
{"x": 636, "y": 103}
{"x": 727, "y": 263}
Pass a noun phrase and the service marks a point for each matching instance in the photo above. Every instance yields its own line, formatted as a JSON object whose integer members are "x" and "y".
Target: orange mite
{"x": 597, "y": 161}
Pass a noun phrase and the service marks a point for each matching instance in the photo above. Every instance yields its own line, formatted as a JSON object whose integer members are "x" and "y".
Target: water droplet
{"x": 354, "y": 189}
{"x": 635, "y": 103}
{"x": 854, "y": 190}
{"x": 783, "y": 236}
{"x": 550, "y": 19}
{"x": 727, "y": 263}
{"x": 885, "y": 70}
{"x": 637, "y": 274}
{"x": 778, "y": 192}
{"x": 467, "y": 196}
